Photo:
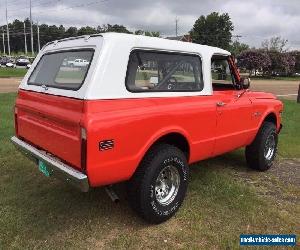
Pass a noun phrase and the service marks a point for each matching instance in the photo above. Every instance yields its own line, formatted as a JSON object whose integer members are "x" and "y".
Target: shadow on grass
{"x": 51, "y": 205}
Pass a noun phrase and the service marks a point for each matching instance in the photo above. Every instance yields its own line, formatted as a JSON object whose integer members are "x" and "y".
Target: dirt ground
{"x": 8, "y": 85}
{"x": 284, "y": 89}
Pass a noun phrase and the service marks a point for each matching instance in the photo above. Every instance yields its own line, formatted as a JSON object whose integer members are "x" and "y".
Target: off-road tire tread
{"x": 134, "y": 185}
{"x": 255, "y": 151}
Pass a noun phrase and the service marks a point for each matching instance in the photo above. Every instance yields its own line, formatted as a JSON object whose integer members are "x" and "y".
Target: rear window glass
{"x": 63, "y": 70}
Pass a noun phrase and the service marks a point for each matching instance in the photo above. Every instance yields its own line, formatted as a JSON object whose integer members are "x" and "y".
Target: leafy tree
{"x": 147, "y": 33}
{"x": 152, "y": 33}
{"x": 276, "y": 43}
{"x": 214, "y": 30}
{"x": 86, "y": 31}
{"x": 254, "y": 60}
{"x": 71, "y": 32}
{"x": 275, "y": 57}
{"x": 139, "y": 32}
{"x": 284, "y": 62}
{"x": 296, "y": 55}
{"x": 288, "y": 63}
{"x": 237, "y": 48}
{"x": 49, "y": 33}
{"x": 113, "y": 28}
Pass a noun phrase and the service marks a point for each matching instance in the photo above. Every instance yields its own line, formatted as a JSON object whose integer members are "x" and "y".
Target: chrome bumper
{"x": 56, "y": 168}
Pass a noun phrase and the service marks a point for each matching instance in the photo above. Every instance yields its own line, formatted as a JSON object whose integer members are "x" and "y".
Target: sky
{"x": 254, "y": 20}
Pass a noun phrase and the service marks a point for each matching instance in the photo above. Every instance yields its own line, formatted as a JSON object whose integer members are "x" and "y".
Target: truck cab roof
{"x": 105, "y": 78}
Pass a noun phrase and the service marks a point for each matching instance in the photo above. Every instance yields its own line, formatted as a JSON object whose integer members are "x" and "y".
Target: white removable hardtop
{"x": 105, "y": 78}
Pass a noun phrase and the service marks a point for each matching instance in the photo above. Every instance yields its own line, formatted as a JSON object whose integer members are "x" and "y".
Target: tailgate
{"x": 51, "y": 123}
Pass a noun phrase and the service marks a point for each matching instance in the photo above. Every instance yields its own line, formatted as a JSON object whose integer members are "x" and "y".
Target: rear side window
{"x": 150, "y": 71}
{"x": 63, "y": 70}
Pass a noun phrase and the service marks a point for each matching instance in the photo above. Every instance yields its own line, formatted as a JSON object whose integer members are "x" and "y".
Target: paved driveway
{"x": 8, "y": 85}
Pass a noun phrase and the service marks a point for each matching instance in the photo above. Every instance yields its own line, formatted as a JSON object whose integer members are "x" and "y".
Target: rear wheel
{"x": 159, "y": 185}
{"x": 261, "y": 153}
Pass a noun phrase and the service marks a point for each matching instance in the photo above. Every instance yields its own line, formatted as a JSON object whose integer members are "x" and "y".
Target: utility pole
{"x": 7, "y": 31}
{"x": 3, "y": 41}
{"x": 31, "y": 33}
{"x": 176, "y": 26}
{"x": 38, "y": 35}
{"x": 25, "y": 40}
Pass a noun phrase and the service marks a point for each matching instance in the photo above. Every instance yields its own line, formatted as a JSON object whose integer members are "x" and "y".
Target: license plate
{"x": 43, "y": 168}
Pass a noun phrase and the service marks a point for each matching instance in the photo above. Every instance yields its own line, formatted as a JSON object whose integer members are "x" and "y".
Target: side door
{"x": 233, "y": 107}
{"x": 171, "y": 75}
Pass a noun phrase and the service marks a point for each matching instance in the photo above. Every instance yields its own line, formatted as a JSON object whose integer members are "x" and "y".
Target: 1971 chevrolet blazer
{"x": 141, "y": 110}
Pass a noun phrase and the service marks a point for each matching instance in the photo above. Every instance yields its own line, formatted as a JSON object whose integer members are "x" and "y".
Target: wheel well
{"x": 177, "y": 140}
{"x": 271, "y": 118}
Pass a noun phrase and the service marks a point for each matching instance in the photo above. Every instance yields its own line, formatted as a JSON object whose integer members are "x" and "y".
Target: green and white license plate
{"x": 43, "y": 168}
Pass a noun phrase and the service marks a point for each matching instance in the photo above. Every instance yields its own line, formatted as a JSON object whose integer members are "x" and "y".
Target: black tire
{"x": 259, "y": 155}
{"x": 144, "y": 193}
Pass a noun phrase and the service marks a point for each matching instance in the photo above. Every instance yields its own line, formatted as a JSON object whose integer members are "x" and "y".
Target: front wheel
{"x": 261, "y": 153}
{"x": 159, "y": 185}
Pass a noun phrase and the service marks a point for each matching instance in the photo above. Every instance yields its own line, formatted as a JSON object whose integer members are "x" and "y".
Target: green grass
{"x": 43, "y": 213}
{"x": 289, "y": 140}
{"x": 12, "y": 72}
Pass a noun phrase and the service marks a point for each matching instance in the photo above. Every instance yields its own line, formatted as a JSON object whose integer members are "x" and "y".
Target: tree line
{"x": 53, "y": 32}
{"x": 272, "y": 58}
{"x": 214, "y": 29}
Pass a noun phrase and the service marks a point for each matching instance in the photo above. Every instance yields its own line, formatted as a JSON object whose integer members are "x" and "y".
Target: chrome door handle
{"x": 221, "y": 104}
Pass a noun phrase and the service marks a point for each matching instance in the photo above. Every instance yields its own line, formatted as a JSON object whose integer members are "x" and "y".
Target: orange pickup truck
{"x": 140, "y": 109}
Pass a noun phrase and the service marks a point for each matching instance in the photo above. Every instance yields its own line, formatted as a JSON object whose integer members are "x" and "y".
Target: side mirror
{"x": 245, "y": 83}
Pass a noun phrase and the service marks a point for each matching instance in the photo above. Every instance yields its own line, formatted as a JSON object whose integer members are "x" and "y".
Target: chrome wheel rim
{"x": 270, "y": 147}
{"x": 167, "y": 185}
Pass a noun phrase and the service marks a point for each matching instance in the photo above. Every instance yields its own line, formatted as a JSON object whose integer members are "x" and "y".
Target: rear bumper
{"x": 56, "y": 168}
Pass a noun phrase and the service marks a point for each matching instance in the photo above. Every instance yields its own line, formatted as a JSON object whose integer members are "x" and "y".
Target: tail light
{"x": 83, "y": 148}
{"x": 16, "y": 120}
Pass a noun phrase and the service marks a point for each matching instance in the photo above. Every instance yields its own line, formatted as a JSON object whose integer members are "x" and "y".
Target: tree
{"x": 214, "y": 30}
{"x": 288, "y": 62}
{"x": 254, "y": 60}
{"x": 139, "y": 32}
{"x": 113, "y": 28}
{"x": 87, "y": 31}
{"x": 71, "y": 32}
{"x": 284, "y": 62}
{"x": 296, "y": 54}
{"x": 49, "y": 33}
{"x": 237, "y": 48}
{"x": 147, "y": 33}
{"x": 152, "y": 33}
{"x": 275, "y": 44}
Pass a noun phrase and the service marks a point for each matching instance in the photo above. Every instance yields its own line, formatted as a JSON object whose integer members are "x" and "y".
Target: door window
{"x": 221, "y": 73}
{"x": 160, "y": 71}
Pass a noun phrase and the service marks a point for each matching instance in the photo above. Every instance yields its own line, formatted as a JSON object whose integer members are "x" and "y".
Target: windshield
{"x": 63, "y": 70}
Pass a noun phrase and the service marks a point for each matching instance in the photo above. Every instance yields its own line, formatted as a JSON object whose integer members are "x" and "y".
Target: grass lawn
{"x": 12, "y": 72}
{"x": 224, "y": 199}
